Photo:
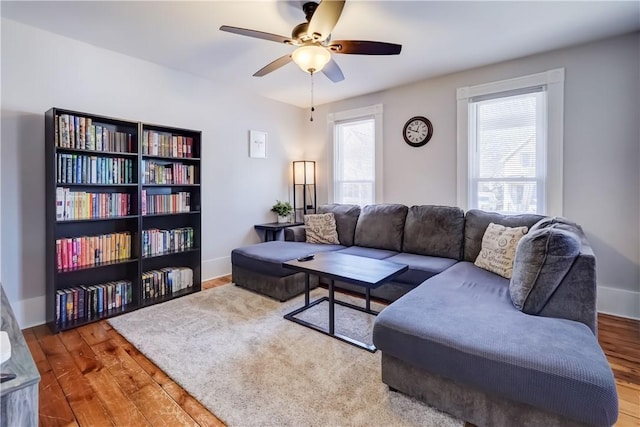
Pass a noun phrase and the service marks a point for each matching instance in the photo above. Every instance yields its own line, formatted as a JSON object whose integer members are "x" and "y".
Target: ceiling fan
{"x": 314, "y": 42}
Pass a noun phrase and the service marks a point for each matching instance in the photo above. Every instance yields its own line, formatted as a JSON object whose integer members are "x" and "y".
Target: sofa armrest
{"x": 295, "y": 234}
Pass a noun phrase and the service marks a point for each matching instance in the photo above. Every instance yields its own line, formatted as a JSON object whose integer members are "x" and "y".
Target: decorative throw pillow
{"x": 543, "y": 258}
{"x": 321, "y": 228}
{"x": 499, "y": 249}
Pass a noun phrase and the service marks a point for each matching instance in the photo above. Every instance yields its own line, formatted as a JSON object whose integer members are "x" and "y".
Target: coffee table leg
{"x": 368, "y": 299}
{"x": 306, "y": 289}
{"x": 331, "y": 306}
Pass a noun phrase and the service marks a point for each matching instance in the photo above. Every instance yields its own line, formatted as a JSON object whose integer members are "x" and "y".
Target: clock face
{"x": 417, "y": 131}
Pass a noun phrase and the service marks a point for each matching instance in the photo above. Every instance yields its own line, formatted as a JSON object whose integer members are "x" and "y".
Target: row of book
{"x": 85, "y": 251}
{"x": 81, "y": 133}
{"x": 82, "y": 169}
{"x": 157, "y": 242}
{"x": 88, "y": 302}
{"x": 72, "y": 205}
{"x": 165, "y": 282}
{"x": 165, "y": 203}
{"x": 166, "y": 145}
{"x": 171, "y": 173}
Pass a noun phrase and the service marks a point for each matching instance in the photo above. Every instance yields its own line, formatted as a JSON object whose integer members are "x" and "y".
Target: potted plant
{"x": 283, "y": 210}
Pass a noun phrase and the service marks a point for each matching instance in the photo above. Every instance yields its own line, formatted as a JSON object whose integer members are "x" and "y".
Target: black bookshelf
{"x": 97, "y": 208}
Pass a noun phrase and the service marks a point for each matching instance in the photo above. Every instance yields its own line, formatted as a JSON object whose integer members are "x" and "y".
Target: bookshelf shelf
{"x": 104, "y": 160}
{"x": 112, "y": 218}
{"x": 96, "y": 152}
{"x": 170, "y": 214}
{"x": 166, "y": 298}
{"x": 96, "y": 266}
{"x": 171, "y": 253}
{"x": 172, "y": 159}
{"x": 60, "y": 184}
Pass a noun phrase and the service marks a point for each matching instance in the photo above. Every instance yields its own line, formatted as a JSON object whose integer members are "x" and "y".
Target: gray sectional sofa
{"x": 489, "y": 350}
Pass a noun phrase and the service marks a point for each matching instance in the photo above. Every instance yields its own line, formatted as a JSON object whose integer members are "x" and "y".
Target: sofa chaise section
{"x": 259, "y": 267}
{"x": 458, "y": 343}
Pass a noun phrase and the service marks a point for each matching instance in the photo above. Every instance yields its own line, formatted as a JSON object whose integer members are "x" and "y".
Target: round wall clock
{"x": 417, "y": 131}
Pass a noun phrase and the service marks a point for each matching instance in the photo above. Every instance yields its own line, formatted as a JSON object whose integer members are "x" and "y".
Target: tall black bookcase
{"x": 123, "y": 221}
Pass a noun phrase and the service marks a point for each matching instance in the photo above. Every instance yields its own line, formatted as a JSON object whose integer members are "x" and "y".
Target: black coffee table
{"x": 366, "y": 272}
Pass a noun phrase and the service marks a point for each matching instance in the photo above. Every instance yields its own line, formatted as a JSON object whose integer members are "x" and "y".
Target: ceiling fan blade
{"x": 257, "y": 34}
{"x": 282, "y": 61}
{"x": 324, "y": 19}
{"x": 333, "y": 72}
{"x": 364, "y": 47}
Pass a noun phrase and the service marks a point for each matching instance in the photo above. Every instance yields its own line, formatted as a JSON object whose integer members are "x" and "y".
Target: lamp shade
{"x": 311, "y": 58}
{"x": 304, "y": 172}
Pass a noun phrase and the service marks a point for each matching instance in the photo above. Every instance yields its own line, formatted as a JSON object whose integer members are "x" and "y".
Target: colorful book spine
{"x": 90, "y": 302}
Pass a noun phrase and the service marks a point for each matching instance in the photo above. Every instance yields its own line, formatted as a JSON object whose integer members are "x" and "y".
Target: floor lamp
{"x": 304, "y": 188}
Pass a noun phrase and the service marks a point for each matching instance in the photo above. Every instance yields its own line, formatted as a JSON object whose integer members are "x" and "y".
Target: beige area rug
{"x": 233, "y": 351}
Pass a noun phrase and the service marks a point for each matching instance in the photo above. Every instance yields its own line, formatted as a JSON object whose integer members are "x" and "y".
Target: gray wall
{"x": 601, "y": 149}
{"x": 41, "y": 70}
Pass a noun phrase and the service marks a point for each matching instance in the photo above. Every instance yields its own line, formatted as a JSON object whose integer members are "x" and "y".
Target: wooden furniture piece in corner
{"x": 98, "y": 262}
{"x": 18, "y": 396}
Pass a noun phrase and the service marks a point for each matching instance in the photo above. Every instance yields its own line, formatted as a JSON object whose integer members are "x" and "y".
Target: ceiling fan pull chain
{"x": 312, "y": 109}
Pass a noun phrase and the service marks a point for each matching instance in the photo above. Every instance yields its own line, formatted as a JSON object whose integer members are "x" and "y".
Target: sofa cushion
{"x": 321, "y": 228}
{"x": 559, "y": 223}
{"x": 368, "y": 252}
{"x": 421, "y": 267}
{"x": 346, "y": 219}
{"x": 381, "y": 226}
{"x": 499, "y": 249}
{"x": 542, "y": 260}
{"x": 434, "y": 230}
{"x": 461, "y": 325}
{"x": 267, "y": 257}
{"x": 476, "y": 222}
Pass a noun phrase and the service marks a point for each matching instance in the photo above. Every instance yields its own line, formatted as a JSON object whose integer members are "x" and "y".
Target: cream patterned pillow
{"x": 499, "y": 249}
{"x": 321, "y": 228}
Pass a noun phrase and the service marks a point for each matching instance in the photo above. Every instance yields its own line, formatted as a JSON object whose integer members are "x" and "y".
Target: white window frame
{"x": 553, "y": 81}
{"x": 373, "y": 112}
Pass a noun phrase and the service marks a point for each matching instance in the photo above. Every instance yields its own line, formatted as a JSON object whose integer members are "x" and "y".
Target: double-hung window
{"x": 510, "y": 145}
{"x": 356, "y": 156}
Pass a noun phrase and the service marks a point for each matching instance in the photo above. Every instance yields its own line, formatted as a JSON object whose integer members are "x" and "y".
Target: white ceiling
{"x": 438, "y": 37}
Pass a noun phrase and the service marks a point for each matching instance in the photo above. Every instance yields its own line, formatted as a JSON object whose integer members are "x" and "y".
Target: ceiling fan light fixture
{"x": 311, "y": 58}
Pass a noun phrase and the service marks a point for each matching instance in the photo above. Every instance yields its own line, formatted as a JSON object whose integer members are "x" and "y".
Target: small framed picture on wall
{"x": 257, "y": 144}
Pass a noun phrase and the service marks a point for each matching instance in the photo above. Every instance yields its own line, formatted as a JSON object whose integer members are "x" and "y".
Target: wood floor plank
{"x": 41, "y": 331}
{"x": 138, "y": 385}
{"x": 149, "y": 367}
{"x": 93, "y": 333}
{"x": 81, "y": 353}
{"x": 194, "y": 408}
{"x": 121, "y": 409}
{"x": 624, "y": 370}
{"x": 87, "y": 408}
{"x": 629, "y": 400}
{"x": 38, "y": 355}
{"x": 125, "y": 370}
{"x": 159, "y": 408}
{"x": 625, "y": 420}
{"x": 54, "y": 409}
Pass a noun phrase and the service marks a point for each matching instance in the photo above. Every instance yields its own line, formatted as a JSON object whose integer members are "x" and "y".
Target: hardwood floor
{"x": 92, "y": 376}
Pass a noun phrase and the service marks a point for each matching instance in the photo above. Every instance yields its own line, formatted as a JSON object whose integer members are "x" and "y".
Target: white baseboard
{"x": 619, "y": 302}
{"x": 30, "y": 312}
{"x": 216, "y": 267}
